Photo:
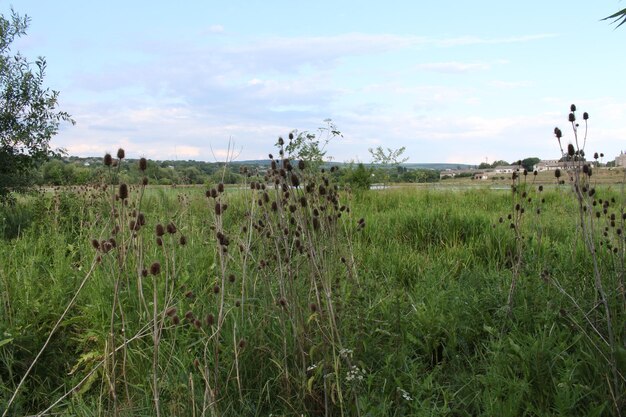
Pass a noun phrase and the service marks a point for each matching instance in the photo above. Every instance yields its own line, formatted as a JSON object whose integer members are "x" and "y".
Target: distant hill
{"x": 438, "y": 166}
{"x": 266, "y": 162}
{"x": 434, "y": 166}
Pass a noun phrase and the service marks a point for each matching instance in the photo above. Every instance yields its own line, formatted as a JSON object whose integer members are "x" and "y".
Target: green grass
{"x": 420, "y": 306}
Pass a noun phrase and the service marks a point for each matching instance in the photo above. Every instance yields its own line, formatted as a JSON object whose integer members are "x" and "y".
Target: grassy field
{"x": 283, "y": 300}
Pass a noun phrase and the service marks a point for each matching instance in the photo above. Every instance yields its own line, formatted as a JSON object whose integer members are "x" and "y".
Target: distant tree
{"x": 310, "y": 146}
{"x": 386, "y": 160}
{"x": 484, "y": 165}
{"x": 498, "y": 163}
{"x": 529, "y": 163}
{"x": 28, "y": 111}
{"x": 359, "y": 178}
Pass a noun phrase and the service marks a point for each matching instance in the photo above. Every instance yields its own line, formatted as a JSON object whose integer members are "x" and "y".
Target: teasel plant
{"x": 601, "y": 227}
{"x": 279, "y": 271}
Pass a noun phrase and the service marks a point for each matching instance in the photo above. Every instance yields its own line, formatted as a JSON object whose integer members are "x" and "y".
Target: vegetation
{"x": 291, "y": 296}
{"x": 28, "y": 111}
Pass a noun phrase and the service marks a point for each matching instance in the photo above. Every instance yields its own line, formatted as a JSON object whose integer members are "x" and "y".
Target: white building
{"x": 506, "y": 169}
{"x": 549, "y": 165}
{"x": 620, "y": 161}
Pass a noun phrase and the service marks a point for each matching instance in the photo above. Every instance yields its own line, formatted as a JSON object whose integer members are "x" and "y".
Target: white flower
{"x": 355, "y": 373}
{"x": 405, "y": 394}
{"x": 345, "y": 353}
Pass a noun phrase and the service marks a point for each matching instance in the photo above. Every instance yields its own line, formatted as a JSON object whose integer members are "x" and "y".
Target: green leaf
{"x": 6, "y": 341}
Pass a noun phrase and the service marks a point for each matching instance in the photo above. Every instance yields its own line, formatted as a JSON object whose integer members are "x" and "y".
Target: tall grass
{"x": 257, "y": 308}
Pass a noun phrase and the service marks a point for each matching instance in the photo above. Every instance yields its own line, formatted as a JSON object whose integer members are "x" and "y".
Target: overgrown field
{"x": 286, "y": 296}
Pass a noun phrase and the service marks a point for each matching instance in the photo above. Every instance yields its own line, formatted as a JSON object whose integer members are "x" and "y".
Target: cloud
{"x": 453, "y": 67}
{"x": 510, "y": 84}
{"x": 214, "y": 29}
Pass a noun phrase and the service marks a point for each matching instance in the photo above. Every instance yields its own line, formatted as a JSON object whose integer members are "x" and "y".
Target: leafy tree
{"x": 28, "y": 110}
{"x": 359, "y": 178}
{"x": 618, "y": 17}
{"x": 484, "y": 165}
{"x": 529, "y": 163}
{"x": 498, "y": 163}
{"x": 310, "y": 146}
{"x": 386, "y": 160}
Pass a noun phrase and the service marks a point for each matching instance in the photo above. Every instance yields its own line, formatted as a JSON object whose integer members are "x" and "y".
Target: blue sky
{"x": 451, "y": 81}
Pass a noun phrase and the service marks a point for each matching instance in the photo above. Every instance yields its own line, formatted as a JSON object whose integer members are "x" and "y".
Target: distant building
{"x": 620, "y": 161}
{"x": 451, "y": 173}
{"x": 548, "y": 165}
{"x": 480, "y": 176}
{"x": 505, "y": 169}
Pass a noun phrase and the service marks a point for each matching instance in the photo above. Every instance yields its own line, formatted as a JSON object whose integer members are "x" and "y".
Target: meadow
{"x": 289, "y": 295}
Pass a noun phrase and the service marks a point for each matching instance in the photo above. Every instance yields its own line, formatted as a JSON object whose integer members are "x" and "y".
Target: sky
{"x": 451, "y": 81}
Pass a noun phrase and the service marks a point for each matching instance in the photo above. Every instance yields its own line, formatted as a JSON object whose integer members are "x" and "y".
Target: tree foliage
{"x": 310, "y": 146}
{"x": 391, "y": 158}
{"x": 28, "y": 110}
{"x": 617, "y": 17}
{"x": 529, "y": 163}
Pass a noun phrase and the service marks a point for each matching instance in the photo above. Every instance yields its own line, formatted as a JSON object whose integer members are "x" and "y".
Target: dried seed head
{"x": 182, "y": 240}
{"x": 295, "y": 181}
{"x": 209, "y": 320}
{"x": 170, "y": 311}
{"x": 159, "y": 230}
{"x": 155, "y": 268}
{"x": 95, "y": 243}
{"x": 144, "y": 272}
{"x": 220, "y": 187}
{"x": 281, "y": 141}
{"x": 571, "y": 117}
{"x": 585, "y": 116}
{"x": 108, "y": 159}
{"x": 557, "y": 173}
{"x": 231, "y": 278}
{"x": 143, "y": 164}
{"x": 159, "y": 241}
{"x": 558, "y": 133}
{"x": 144, "y": 181}
{"x": 570, "y": 149}
{"x": 171, "y": 228}
{"x": 123, "y": 192}
{"x": 175, "y": 320}
{"x": 216, "y": 289}
{"x": 242, "y": 344}
{"x": 120, "y": 153}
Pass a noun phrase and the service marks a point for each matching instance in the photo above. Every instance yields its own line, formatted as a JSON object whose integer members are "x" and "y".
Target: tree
{"x": 28, "y": 110}
{"x": 529, "y": 163}
{"x": 359, "y": 178}
{"x": 498, "y": 163}
{"x": 310, "y": 146}
{"x": 618, "y": 17}
{"x": 387, "y": 160}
